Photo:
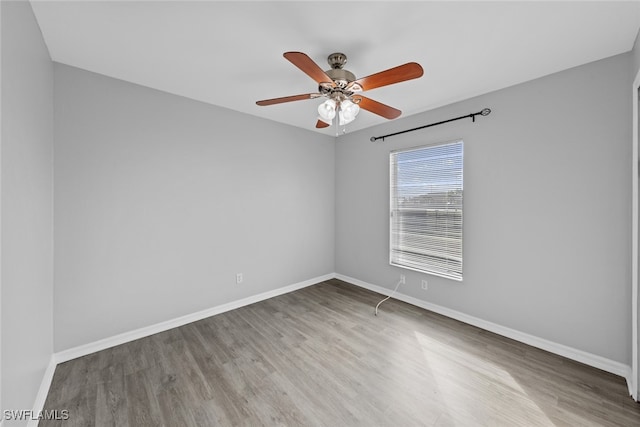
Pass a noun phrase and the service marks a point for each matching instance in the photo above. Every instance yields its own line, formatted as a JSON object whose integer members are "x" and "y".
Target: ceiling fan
{"x": 343, "y": 90}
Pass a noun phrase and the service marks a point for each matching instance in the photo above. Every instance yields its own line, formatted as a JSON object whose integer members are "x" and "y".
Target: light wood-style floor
{"x": 319, "y": 357}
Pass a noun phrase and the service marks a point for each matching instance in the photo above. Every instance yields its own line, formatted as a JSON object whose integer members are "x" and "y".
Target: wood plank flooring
{"x": 319, "y": 357}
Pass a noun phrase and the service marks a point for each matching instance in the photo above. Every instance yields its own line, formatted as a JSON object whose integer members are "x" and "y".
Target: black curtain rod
{"x": 484, "y": 112}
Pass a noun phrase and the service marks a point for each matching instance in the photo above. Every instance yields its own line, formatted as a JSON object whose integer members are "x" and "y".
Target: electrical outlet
{"x": 402, "y": 279}
{"x": 425, "y": 285}
{"x": 239, "y": 278}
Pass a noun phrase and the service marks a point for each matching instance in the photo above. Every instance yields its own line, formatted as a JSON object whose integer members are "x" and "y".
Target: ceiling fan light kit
{"x": 342, "y": 89}
{"x": 346, "y": 110}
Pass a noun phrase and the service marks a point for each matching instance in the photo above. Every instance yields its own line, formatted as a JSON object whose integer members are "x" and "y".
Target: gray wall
{"x": 635, "y": 55}
{"x": 161, "y": 200}
{"x": 547, "y": 208}
{"x": 26, "y": 200}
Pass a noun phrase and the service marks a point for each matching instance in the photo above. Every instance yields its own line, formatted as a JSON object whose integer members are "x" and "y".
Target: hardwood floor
{"x": 319, "y": 357}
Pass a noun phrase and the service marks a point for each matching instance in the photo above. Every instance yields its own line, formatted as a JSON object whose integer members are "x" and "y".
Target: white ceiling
{"x": 230, "y": 53}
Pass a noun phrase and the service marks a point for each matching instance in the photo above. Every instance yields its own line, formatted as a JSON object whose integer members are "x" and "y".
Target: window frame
{"x": 392, "y": 196}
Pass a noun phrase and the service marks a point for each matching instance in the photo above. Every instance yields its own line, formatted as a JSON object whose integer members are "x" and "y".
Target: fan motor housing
{"x": 341, "y": 77}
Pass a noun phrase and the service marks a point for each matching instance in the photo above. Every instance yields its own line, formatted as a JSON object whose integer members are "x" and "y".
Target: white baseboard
{"x": 630, "y": 384}
{"x": 146, "y": 331}
{"x": 41, "y": 397}
{"x": 596, "y": 361}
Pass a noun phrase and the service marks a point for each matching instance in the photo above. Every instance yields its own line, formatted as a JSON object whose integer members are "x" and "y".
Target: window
{"x": 426, "y": 209}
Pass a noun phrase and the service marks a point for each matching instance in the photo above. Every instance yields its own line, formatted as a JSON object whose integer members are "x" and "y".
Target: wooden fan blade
{"x": 309, "y": 67}
{"x": 322, "y": 124}
{"x": 377, "y": 107}
{"x": 401, "y": 73}
{"x": 288, "y": 99}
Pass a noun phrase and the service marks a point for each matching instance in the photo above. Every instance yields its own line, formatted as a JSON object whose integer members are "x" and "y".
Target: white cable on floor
{"x": 392, "y": 294}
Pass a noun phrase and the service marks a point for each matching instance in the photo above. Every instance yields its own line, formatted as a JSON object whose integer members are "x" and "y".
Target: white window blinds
{"x": 426, "y": 209}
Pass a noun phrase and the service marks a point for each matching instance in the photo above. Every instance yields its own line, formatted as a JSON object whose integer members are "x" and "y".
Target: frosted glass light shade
{"x": 327, "y": 110}
{"x": 349, "y": 111}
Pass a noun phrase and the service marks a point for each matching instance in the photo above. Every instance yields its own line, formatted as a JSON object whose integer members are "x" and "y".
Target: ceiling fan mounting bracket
{"x": 337, "y": 60}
